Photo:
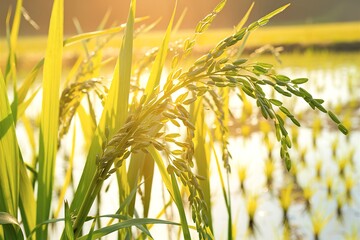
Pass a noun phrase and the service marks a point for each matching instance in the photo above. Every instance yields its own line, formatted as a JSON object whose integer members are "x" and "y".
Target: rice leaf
{"x": 179, "y": 21}
{"x": 158, "y": 65}
{"x": 162, "y": 169}
{"x": 16, "y": 25}
{"x": 112, "y": 118}
{"x": 68, "y": 224}
{"x": 125, "y": 67}
{"x": 22, "y": 106}
{"x": 180, "y": 206}
{"x": 88, "y": 125}
{"x": 68, "y": 177}
{"x": 9, "y": 158}
{"x": 11, "y": 64}
{"x": 104, "y": 20}
{"x": 91, "y": 232}
{"x": 12, "y": 38}
{"x": 89, "y": 35}
{"x": 138, "y": 160}
{"x": 134, "y": 172}
{"x": 49, "y": 115}
{"x": 148, "y": 173}
{"x": 125, "y": 204}
{"x": 202, "y": 153}
{"x": 27, "y": 201}
{"x": 28, "y": 81}
{"x": 126, "y": 224}
{"x": 11, "y": 226}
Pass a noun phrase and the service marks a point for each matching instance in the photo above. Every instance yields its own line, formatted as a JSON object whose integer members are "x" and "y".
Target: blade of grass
{"x": 148, "y": 173}
{"x": 125, "y": 68}
{"x": 138, "y": 160}
{"x": 124, "y": 204}
{"x": 88, "y": 125}
{"x": 202, "y": 153}
{"x": 9, "y": 158}
{"x": 27, "y": 201}
{"x": 68, "y": 175}
{"x": 261, "y": 22}
{"x": 223, "y": 188}
{"x": 126, "y": 224}
{"x": 240, "y": 25}
{"x": 163, "y": 172}
{"x": 24, "y": 105}
{"x": 85, "y": 36}
{"x": 28, "y": 81}
{"x": 113, "y": 117}
{"x": 11, "y": 226}
{"x": 180, "y": 207}
{"x": 68, "y": 224}
{"x": 91, "y": 232}
{"x": 12, "y": 54}
{"x": 225, "y": 93}
{"x": 16, "y": 25}
{"x": 157, "y": 68}
{"x": 49, "y": 116}
{"x": 180, "y": 20}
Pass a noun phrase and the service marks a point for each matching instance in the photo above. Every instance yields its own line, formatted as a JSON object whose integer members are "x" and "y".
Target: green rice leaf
{"x": 28, "y": 81}
{"x": 27, "y": 201}
{"x": 11, "y": 226}
{"x": 157, "y": 68}
{"x": 180, "y": 206}
{"x": 202, "y": 152}
{"x": 161, "y": 166}
{"x": 88, "y": 125}
{"x": 68, "y": 177}
{"x": 68, "y": 224}
{"x": 148, "y": 173}
{"x": 89, "y": 35}
{"x": 126, "y": 224}
{"x": 91, "y": 232}
{"x": 16, "y": 25}
{"x": 49, "y": 115}
{"x": 121, "y": 111}
{"x": 24, "y": 105}
{"x": 124, "y": 204}
{"x": 113, "y": 117}
{"x": 9, "y": 157}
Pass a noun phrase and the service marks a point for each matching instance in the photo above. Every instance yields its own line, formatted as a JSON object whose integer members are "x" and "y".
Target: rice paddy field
{"x": 206, "y": 162}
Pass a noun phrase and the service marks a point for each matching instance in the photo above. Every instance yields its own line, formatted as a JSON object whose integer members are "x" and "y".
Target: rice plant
{"x": 137, "y": 129}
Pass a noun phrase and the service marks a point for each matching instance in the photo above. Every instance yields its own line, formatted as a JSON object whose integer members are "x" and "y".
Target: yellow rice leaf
{"x": 50, "y": 113}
